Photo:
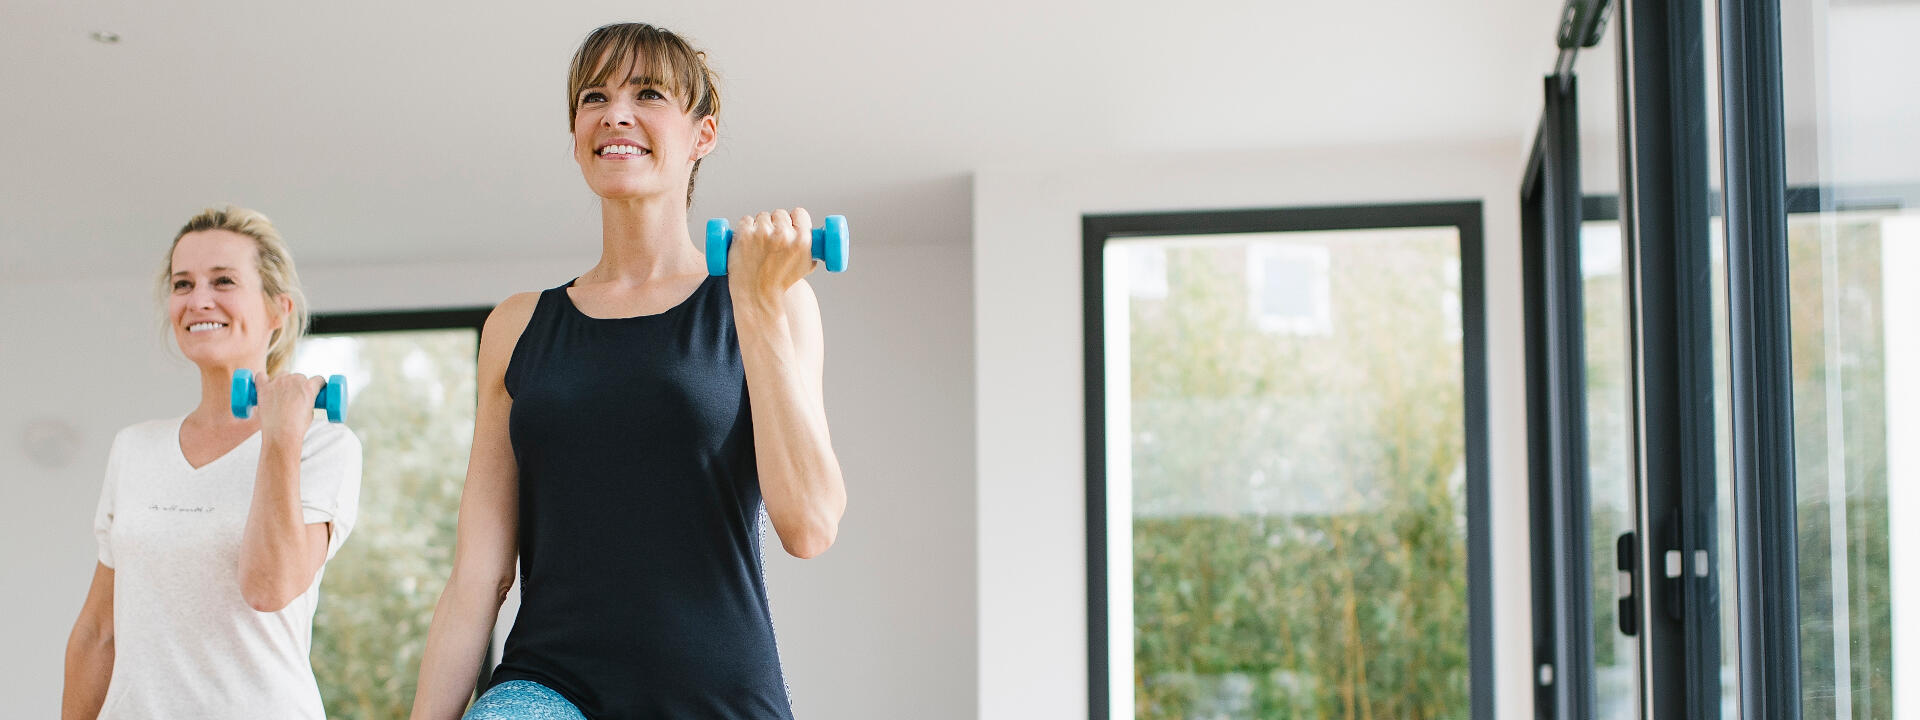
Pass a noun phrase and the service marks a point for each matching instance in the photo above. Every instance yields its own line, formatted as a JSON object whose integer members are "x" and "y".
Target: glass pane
{"x": 1840, "y": 457}
{"x": 1287, "y": 475}
{"x": 411, "y": 398}
{"x": 1609, "y": 464}
{"x": 1851, "y": 253}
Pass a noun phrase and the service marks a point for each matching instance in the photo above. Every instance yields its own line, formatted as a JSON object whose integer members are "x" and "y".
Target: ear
{"x": 706, "y": 135}
{"x": 286, "y": 311}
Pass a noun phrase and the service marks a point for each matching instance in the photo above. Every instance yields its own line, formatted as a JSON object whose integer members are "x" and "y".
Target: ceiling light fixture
{"x": 106, "y": 37}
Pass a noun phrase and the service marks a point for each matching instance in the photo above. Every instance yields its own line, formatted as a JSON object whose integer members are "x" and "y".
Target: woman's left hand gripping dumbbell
{"x": 771, "y": 251}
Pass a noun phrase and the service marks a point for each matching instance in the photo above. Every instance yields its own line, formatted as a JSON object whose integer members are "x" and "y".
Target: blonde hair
{"x": 664, "y": 55}
{"x": 277, "y": 276}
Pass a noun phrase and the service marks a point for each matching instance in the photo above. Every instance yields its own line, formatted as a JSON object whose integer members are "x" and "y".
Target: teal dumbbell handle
{"x": 830, "y": 244}
{"x": 332, "y": 397}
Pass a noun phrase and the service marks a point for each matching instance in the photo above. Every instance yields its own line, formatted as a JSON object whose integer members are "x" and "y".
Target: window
{"x": 1286, "y": 469}
{"x": 411, "y": 393}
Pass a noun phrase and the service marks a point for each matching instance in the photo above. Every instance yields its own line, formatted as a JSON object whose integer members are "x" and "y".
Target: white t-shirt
{"x": 185, "y": 642}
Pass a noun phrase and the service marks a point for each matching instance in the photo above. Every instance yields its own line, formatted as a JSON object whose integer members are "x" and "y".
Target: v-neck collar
{"x": 180, "y": 451}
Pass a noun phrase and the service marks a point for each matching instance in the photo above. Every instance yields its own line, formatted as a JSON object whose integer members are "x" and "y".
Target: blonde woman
{"x": 635, "y": 427}
{"x": 214, "y": 531}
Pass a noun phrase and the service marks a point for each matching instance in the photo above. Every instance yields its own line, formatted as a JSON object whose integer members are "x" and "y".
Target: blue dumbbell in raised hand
{"x": 332, "y": 397}
{"x": 829, "y": 244}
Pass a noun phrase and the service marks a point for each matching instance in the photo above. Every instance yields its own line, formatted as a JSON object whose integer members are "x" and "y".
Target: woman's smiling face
{"x": 217, "y": 307}
{"x": 632, "y": 138}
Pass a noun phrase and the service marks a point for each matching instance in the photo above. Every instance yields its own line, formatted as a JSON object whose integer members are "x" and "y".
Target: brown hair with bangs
{"x": 663, "y": 55}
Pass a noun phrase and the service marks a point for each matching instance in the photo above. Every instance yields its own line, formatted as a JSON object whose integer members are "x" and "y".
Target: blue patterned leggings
{"x": 522, "y": 700}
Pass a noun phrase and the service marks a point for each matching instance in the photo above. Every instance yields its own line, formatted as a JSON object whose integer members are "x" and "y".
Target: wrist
{"x": 752, "y": 308}
{"x": 280, "y": 439}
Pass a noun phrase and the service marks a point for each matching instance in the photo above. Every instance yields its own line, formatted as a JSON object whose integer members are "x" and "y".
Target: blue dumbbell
{"x": 829, "y": 244}
{"x": 332, "y": 397}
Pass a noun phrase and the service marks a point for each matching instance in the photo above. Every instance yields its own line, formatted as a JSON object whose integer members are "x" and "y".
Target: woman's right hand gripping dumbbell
{"x": 286, "y": 406}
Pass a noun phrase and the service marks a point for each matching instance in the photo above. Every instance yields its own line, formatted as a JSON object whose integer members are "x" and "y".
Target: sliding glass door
{"x": 1763, "y": 226}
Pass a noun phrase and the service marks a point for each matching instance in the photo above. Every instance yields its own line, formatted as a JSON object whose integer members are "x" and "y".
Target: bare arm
{"x": 90, "y": 651}
{"x": 279, "y": 552}
{"x": 487, "y": 542}
{"x": 781, "y": 345}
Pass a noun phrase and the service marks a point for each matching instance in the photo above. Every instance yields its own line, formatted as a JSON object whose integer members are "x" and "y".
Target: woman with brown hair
{"x": 636, "y": 428}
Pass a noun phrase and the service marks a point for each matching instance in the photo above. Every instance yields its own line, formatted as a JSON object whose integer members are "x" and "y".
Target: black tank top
{"x": 642, "y": 594}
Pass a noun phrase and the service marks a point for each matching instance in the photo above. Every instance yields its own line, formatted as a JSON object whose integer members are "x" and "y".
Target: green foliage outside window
{"x": 414, "y": 415}
{"x": 1299, "y": 532}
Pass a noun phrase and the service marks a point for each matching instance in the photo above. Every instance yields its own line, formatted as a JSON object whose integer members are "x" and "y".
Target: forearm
{"x": 88, "y": 670}
{"x": 799, "y": 474}
{"x": 456, "y": 645}
{"x": 274, "y": 551}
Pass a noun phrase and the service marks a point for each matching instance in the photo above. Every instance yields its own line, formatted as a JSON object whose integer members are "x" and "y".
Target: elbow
{"x": 502, "y": 585}
{"x": 91, "y": 635}
{"x": 812, "y": 542}
{"x": 101, "y": 638}
{"x": 268, "y": 600}
{"x": 474, "y": 586}
{"x": 267, "y": 594}
{"x": 806, "y": 530}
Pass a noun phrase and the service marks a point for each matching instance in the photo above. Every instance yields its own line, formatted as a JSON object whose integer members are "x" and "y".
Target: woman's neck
{"x": 216, "y": 395}
{"x": 644, "y": 239}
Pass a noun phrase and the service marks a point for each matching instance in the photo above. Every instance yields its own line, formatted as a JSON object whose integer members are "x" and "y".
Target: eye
{"x": 181, "y": 285}
{"x": 651, "y": 94}
{"x": 224, "y": 280}
{"x": 592, "y": 97}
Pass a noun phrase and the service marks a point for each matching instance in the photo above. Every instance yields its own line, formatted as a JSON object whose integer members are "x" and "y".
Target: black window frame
{"x": 1559, "y": 485}
{"x": 1673, "y": 600}
{"x": 1765, "y": 517}
{"x": 1468, "y": 219}
{"x": 338, "y": 323}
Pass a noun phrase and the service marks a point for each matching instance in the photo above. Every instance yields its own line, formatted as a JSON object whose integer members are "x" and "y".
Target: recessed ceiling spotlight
{"x": 106, "y": 37}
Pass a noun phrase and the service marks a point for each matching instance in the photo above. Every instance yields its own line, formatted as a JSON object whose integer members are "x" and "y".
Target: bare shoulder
{"x": 502, "y": 332}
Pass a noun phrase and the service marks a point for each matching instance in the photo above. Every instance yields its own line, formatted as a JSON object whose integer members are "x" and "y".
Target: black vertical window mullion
{"x": 1094, "y": 234}
{"x": 1761, "y": 368}
{"x": 1568, "y": 382}
{"x": 1669, "y": 270}
{"x": 1556, "y": 390}
{"x": 1533, "y": 233}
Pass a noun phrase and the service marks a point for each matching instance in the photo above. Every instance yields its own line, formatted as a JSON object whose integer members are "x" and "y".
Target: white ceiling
{"x": 389, "y": 131}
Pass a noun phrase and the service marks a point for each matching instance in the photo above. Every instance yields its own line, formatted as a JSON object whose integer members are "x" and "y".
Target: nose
{"x": 619, "y": 115}
{"x": 200, "y": 298}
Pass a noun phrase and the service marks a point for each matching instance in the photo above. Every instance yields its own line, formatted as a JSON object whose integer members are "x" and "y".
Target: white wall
{"x": 882, "y": 626}
{"x": 1029, "y": 383}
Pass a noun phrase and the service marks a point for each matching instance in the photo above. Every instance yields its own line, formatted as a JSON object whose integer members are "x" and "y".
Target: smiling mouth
{"x": 201, "y": 327}
{"x": 622, "y": 150}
